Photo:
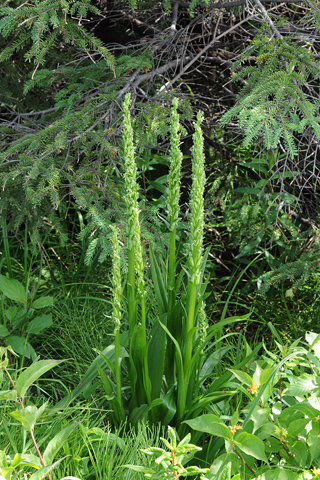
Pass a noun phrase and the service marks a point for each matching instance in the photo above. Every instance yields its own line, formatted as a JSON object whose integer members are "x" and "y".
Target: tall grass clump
{"x": 162, "y": 364}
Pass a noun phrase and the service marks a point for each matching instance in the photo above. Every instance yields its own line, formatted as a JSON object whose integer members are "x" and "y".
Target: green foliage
{"x": 170, "y": 464}
{"x": 42, "y": 25}
{"x": 274, "y": 104}
{"x": 65, "y": 150}
{"x": 276, "y": 434}
{"x": 29, "y": 416}
{"x": 168, "y": 370}
{"x": 294, "y": 274}
{"x": 19, "y": 324}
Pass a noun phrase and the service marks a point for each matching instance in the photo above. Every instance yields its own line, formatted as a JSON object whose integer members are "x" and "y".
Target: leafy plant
{"x": 275, "y": 436}
{"x": 170, "y": 372}
{"x": 170, "y": 463}
{"x": 20, "y": 323}
{"x": 28, "y": 416}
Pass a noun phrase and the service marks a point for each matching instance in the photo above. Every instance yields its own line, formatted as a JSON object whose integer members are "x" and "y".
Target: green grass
{"x": 79, "y": 326}
{"x": 92, "y": 451}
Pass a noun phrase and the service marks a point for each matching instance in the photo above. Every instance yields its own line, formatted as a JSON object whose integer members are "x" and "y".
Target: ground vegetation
{"x": 159, "y": 267}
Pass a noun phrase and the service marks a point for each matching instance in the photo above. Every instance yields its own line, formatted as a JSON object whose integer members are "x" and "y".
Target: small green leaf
{"x": 43, "y": 302}
{"x": 13, "y": 289}
{"x": 210, "y": 424}
{"x": 16, "y": 460}
{"x": 4, "y": 332}
{"x": 251, "y": 445}
{"x": 11, "y": 313}
{"x": 242, "y": 376}
{"x": 20, "y": 346}
{"x": 29, "y": 415}
{"x": 39, "y": 323}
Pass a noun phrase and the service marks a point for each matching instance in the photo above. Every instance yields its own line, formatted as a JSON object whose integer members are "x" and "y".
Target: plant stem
{"x": 131, "y": 291}
{"x": 20, "y": 400}
{"x": 242, "y": 459}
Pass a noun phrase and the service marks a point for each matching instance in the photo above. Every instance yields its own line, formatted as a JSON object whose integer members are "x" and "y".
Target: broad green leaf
{"x": 313, "y": 441}
{"x": 13, "y": 289}
{"x": 3, "y": 459}
{"x": 20, "y": 346}
{"x": 251, "y": 445}
{"x": 299, "y": 451}
{"x": 297, "y": 426}
{"x": 39, "y": 323}
{"x": 242, "y": 376}
{"x": 272, "y": 445}
{"x": 56, "y": 443}
{"x": 259, "y": 417}
{"x": 211, "y": 361}
{"x": 16, "y": 460}
{"x": 43, "y": 302}
{"x": 168, "y": 407}
{"x": 8, "y": 395}
{"x": 250, "y": 247}
{"x": 32, "y": 373}
{"x": 32, "y": 460}
{"x": 159, "y": 287}
{"x": 108, "y": 385}
{"x": 302, "y": 386}
{"x": 138, "y": 356}
{"x": 11, "y": 313}
{"x": 4, "y": 332}
{"x": 314, "y": 340}
{"x": 210, "y": 424}
{"x": 139, "y": 413}
{"x": 138, "y": 468}
{"x": 235, "y": 418}
{"x": 314, "y": 400}
{"x": 278, "y": 474}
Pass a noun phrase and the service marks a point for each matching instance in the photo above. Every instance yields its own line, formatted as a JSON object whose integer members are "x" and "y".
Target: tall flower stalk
{"x": 139, "y": 375}
{"x": 168, "y": 375}
{"x": 173, "y": 209}
{"x": 194, "y": 262}
{"x": 116, "y": 309}
{"x": 132, "y": 208}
